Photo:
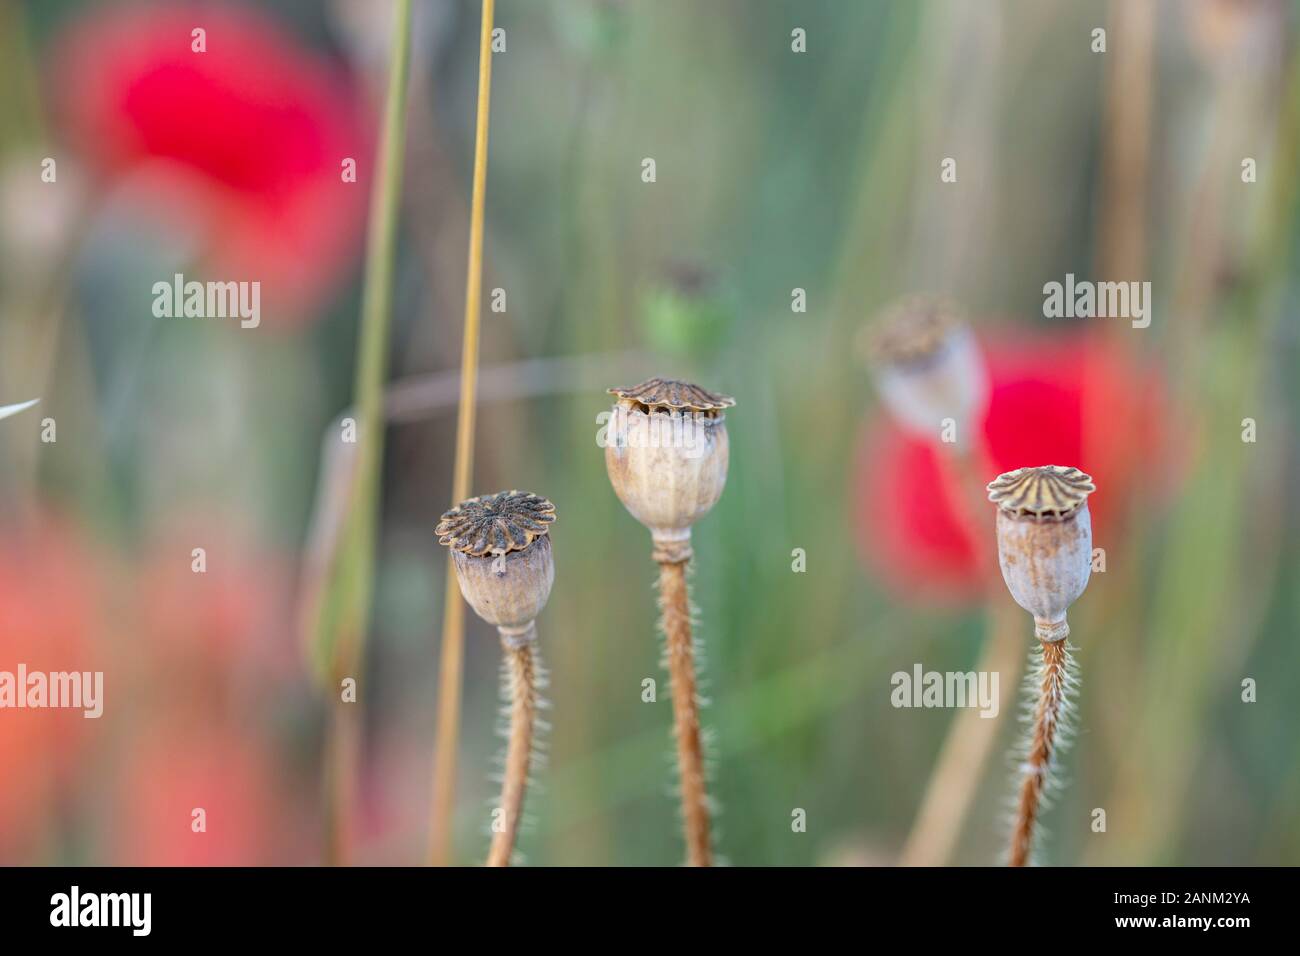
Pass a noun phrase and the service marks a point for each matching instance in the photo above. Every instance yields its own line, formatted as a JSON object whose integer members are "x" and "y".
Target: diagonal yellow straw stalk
{"x": 447, "y": 734}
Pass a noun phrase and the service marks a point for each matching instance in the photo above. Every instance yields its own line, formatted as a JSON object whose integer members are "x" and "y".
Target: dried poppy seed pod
{"x": 501, "y": 549}
{"x": 1044, "y": 541}
{"x": 666, "y": 453}
{"x": 502, "y": 554}
{"x": 927, "y": 365}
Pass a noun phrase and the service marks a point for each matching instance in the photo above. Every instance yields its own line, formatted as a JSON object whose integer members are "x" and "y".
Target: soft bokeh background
{"x": 775, "y": 170}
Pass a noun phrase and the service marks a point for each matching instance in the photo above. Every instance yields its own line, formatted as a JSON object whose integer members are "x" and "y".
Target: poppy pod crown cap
{"x": 1044, "y": 541}
{"x": 496, "y": 524}
{"x": 672, "y": 395}
{"x": 1049, "y": 491}
{"x": 501, "y": 547}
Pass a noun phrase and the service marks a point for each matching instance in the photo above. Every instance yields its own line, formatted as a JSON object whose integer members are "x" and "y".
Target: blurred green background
{"x": 775, "y": 170}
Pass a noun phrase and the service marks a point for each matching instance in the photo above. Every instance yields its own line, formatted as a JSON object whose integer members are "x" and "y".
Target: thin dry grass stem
{"x": 966, "y": 749}
{"x": 1054, "y": 682}
{"x": 450, "y": 668}
{"x": 523, "y": 670}
{"x": 674, "y": 602}
{"x": 343, "y": 746}
{"x": 964, "y": 753}
{"x": 1127, "y": 145}
{"x": 447, "y": 733}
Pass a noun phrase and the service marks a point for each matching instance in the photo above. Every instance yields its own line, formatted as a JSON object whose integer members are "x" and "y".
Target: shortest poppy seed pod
{"x": 502, "y": 553}
{"x": 1044, "y": 541}
{"x": 667, "y": 454}
{"x": 927, "y": 365}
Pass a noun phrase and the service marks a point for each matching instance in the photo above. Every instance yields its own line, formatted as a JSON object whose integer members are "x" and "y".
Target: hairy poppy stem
{"x": 447, "y": 733}
{"x": 1042, "y": 746}
{"x": 668, "y": 486}
{"x": 522, "y": 670}
{"x": 674, "y": 600}
{"x": 1044, "y": 532}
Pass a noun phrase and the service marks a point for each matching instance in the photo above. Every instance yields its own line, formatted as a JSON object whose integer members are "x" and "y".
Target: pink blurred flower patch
{"x": 1066, "y": 400}
{"x": 243, "y": 142}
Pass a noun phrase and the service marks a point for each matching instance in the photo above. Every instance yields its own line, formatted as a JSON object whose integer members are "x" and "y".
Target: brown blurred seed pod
{"x": 926, "y": 365}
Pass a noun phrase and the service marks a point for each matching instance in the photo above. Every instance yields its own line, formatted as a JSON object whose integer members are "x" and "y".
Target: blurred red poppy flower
{"x": 213, "y": 654}
{"x": 191, "y": 793}
{"x": 49, "y": 605}
{"x": 244, "y": 141}
{"x": 233, "y": 620}
{"x": 1072, "y": 400}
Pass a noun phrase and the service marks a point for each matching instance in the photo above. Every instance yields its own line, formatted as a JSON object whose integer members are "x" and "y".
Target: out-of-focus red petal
{"x": 1070, "y": 400}
{"x": 51, "y": 603}
{"x": 173, "y": 770}
{"x": 247, "y": 137}
{"x": 913, "y": 545}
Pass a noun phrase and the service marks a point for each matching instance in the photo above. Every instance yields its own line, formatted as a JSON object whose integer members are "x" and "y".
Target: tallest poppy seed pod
{"x": 1044, "y": 541}
{"x": 667, "y": 452}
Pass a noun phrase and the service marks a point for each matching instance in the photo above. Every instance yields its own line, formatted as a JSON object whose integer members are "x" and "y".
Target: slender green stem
{"x": 376, "y": 304}
{"x": 352, "y": 583}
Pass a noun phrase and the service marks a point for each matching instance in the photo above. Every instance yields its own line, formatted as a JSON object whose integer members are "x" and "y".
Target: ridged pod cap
{"x": 1044, "y": 541}
{"x": 672, "y": 395}
{"x": 1047, "y": 492}
{"x": 667, "y": 454}
{"x": 496, "y": 524}
{"x": 501, "y": 547}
